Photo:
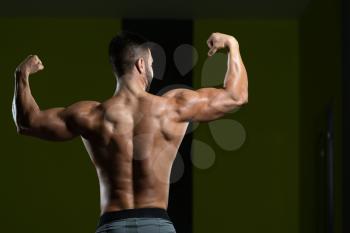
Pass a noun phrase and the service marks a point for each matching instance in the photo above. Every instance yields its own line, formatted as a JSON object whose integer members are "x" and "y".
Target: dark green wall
{"x": 254, "y": 188}
{"x": 50, "y": 186}
{"x": 276, "y": 181}
{"x": 320, "y": 75}
{"x": 266, "y": 185}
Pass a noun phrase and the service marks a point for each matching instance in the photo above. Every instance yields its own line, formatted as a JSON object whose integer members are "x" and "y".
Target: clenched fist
{"x": 218, "y": 41}
{"x": 30, "y": 65}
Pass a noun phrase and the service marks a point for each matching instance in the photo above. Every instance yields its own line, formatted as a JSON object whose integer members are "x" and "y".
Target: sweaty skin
{"x": 132, "y": 138}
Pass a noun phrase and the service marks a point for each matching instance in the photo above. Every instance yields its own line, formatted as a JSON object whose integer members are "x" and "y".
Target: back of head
{"x": 124, "y": 49}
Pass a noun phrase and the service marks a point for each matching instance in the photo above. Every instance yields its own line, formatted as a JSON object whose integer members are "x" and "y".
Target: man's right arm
{"x": 207, "y": 104}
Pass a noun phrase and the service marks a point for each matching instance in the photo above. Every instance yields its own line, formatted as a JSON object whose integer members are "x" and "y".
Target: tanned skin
{"x": 132, "y": 138}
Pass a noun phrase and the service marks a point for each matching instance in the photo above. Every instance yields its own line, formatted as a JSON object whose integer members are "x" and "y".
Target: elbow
{"x": 25, "y": 131}
{"x": 25, "y": 125}
{"x": 239, "y": 98}
{"x": 20, "y": 130}
{"x": 245, "y": 97}
{"x": 243, "y": 100}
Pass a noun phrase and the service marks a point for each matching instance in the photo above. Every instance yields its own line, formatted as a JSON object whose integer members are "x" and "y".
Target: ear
{"x": 140, "y": 65}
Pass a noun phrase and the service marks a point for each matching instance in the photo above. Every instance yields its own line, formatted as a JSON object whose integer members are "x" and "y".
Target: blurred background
{"x": 277, "y": 165}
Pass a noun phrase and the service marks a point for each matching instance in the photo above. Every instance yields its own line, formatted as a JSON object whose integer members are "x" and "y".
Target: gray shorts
{"x": 142, "y": 220}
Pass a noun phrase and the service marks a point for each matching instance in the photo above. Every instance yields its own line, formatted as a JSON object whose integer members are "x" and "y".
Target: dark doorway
{"x": 170, "y": 34}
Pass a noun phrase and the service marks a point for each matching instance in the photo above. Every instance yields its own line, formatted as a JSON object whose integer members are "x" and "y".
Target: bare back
{"x": 133, "y": 144}
{"x": 132, "y": 139}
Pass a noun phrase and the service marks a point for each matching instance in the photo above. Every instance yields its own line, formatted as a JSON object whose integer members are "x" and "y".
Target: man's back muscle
{"x": 133, "y": 143}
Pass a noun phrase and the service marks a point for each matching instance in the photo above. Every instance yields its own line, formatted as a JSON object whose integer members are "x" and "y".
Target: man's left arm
{"x": 57, "y": 124}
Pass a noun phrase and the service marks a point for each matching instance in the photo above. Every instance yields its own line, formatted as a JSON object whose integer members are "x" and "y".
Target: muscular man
{"x": 133, "y": 137}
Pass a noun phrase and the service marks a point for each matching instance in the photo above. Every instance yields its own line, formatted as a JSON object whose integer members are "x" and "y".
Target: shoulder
{"x": 183, "y": 94}
{"x": 179, "y": 94}
{"x": 83, "y": 116}
{"x": 81, "y": 107}
{"x": 84, "y": 105}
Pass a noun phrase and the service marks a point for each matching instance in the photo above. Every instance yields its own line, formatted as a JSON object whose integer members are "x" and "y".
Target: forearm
{"x": 236, "y": 80}
{"x": 24, "y": 106}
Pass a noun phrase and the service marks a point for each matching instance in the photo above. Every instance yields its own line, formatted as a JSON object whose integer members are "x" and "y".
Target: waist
{"x": 133, "y": 213}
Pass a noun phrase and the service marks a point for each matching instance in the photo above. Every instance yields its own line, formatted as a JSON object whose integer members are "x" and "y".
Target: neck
{"x": 131, "y": 84}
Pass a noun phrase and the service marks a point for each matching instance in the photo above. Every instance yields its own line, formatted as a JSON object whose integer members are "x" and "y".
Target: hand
{"x": 30, "y": 65}
{"x": 218, "y": 41}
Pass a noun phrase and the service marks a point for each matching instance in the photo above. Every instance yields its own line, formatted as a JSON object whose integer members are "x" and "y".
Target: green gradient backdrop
{"x": 253, "y": 189}
{"x": 48, "y": 186}
{"x": 320, "y": 46}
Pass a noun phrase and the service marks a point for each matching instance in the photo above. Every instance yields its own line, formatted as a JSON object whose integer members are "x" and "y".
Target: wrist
{"x": 20, "y": 74}
{"x": 231, "y": 43}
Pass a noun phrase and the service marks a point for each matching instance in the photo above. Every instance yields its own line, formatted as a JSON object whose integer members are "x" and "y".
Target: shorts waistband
{"x": 133, "y": 213}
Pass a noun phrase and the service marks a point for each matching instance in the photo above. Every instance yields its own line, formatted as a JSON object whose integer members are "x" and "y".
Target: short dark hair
{"x": 124, "y": 49}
